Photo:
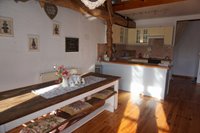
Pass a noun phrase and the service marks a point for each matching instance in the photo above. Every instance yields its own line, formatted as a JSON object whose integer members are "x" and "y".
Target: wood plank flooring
{"x": 179, "y": 113}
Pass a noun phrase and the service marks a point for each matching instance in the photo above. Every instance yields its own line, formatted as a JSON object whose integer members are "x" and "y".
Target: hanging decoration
{"x": 92, "y": 4}
{"x": 51, "y": 10}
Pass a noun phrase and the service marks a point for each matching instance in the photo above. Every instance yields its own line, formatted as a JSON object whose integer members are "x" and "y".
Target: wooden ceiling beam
{"x": 133, "y": 4}
{"x": 100, "y": 12}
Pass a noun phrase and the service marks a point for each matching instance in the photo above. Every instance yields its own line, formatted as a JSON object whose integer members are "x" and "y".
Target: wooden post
{"x": 109, "y": 28}
{"x": 41, "y": 3}
{"x": 109, "y": 38}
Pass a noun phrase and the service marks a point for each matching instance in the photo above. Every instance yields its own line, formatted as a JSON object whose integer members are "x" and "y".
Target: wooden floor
{"x": 179, "y": 113}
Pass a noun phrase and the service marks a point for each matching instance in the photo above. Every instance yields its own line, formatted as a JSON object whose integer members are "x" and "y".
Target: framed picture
{"x": 71, "y": 44}
{"x": 56, "y": 28}
{"x": 6, "y": 26}
{"x": 33, "y": 42}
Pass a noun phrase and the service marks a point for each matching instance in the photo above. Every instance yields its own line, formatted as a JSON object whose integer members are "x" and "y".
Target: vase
{"x": 64, "y": 82}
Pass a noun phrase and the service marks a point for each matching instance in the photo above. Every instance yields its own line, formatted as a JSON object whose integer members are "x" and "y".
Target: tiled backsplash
{"x": 155, "y": 49}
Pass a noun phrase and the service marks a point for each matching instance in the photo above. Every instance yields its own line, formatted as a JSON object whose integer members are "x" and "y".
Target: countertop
{"x": 127, "y": 62}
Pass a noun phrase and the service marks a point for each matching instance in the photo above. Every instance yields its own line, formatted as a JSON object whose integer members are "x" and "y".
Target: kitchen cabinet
{"x": 134, "y": 75}
{"x": 156, "y": 31}
{"x": 168, "y": 35}
{"x": 120, "y": 34}
{"x": 116, "y": 34}
{"x": 138, "y": 36}
{"x": 132, "y": 36}
{"x": 165, "y": 32}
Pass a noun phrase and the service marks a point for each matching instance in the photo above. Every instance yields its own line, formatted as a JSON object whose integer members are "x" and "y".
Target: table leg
{"x": 116, "y": 88}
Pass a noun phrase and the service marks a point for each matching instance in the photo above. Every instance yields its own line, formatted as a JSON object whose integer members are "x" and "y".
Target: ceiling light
{"x": 92, "y": 4}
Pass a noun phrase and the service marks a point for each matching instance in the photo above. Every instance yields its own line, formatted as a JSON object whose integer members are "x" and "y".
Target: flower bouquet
{"x": 63, "y": 75}
{"x": 68, "y": 78}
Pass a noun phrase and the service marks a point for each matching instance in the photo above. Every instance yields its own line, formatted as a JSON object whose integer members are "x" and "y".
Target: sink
{"x": 154, "y": 61}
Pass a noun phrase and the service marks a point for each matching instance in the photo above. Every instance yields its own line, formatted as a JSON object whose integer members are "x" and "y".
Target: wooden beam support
{"x": 133, "y": 4}
{"x": 109, "y": 28}
{"x": 41, "y": 3}
{"x": 100, "y": 12}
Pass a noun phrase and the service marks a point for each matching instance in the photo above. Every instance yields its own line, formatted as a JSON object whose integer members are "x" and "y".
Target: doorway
{"x": 186, "y": 49}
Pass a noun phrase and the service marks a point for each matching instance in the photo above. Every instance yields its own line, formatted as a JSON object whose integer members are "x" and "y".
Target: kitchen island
{"x": 140, "y": 77}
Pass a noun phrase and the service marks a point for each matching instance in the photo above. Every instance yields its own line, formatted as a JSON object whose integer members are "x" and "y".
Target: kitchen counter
{"x": 135, "y": 63}
{"x": 140, "y": 78}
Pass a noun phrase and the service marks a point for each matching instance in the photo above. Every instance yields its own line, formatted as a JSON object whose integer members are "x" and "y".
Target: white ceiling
{"x": 188, "y": 7}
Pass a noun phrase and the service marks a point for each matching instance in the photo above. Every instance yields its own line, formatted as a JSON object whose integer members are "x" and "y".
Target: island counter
{"x": 140, "y": 78}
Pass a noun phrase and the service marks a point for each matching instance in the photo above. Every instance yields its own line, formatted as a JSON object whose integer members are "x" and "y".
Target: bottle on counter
{"x": 105, "y": 57}
{"x": 98, "y": 66}
{"x": 140, "y": 55}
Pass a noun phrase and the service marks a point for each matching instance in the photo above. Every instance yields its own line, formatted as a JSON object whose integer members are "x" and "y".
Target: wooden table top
{"x": 20, "y": 102}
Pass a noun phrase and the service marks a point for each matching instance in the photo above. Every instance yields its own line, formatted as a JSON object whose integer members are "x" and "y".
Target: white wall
{"x": 186, "y": 58}
{"x": 19, "y": 67}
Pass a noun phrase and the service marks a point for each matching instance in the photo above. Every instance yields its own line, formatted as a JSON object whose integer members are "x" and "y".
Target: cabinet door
{"x": 139, "y": 36}
{"x": 142, "y": 36}
{"x": 145, "y": 35}
{"x": 120, "y": 34}
{"x": 168, "y": 35}
{"x": 131, "y": 36}
{"x": 116, "y": 34}
{"x": 156, "y": 31}
{"x": 123, "y": 35}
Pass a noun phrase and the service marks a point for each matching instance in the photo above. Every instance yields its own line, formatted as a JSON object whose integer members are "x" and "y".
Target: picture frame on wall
{"x": 6, "y": 26}
{"x": 56, "y": 28}
{"x": 71, "y": 44}
{"x": 33, "y": 42}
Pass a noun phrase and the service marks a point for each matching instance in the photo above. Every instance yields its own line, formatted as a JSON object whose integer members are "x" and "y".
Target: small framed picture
{"x": 33, "y": 42}
{"x": 71, "y": 44}
{"x": 6, "y": 26}
{"x": 56, "y": 28}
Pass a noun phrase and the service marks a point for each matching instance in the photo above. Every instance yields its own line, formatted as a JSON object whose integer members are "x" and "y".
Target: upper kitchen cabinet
{"x": 168, "y": 35}
{"x": 132, "y": 36}
{"x": 156, "y": 31}
{"x": 120, "y": 34}
{"x": 165, "y": 32}
{"x": 138, "y": 36}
